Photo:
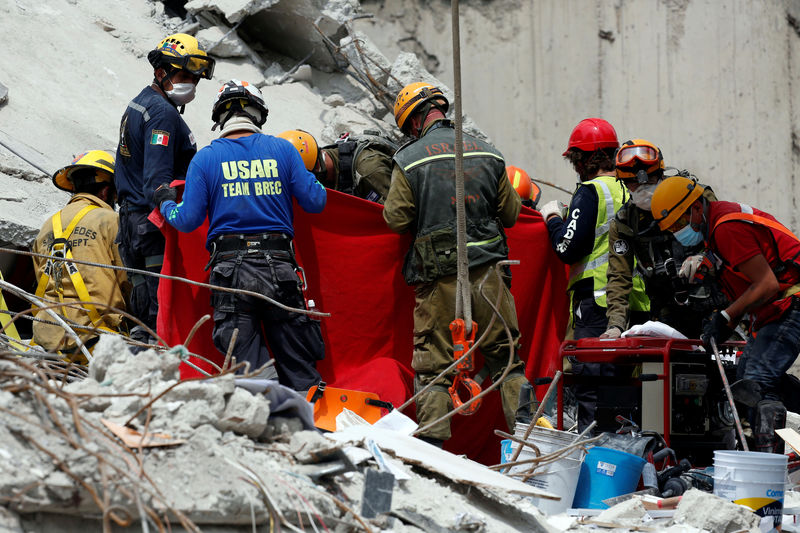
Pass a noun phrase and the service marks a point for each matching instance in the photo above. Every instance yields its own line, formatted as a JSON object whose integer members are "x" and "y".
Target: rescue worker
{"x": 582, "y": 243}
{"x": 155, "y": 147}
{"x": 85, "y": 229}
{"x": 422, "y": 199}
{"x": 528, "y": 191}
{"x": 360, "y": 165}
{"x": 245, "y": 182}
{"x": 634, "y": 239}
{"x": 755, "y": 258}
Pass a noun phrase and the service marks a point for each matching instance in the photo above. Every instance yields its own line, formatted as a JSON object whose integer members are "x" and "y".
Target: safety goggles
{"x": 645, "y": 154}
{"x": 198, "y": 65}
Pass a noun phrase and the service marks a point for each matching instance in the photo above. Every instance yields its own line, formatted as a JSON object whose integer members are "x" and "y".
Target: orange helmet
{"x": 672, "y": 198}
{"x": 412, "y": 96}
{"x": 638, "y": 155}
{"x": 592, "y": 134}
{"x": 520, "y": 181}
{"x": 305, "y": 143}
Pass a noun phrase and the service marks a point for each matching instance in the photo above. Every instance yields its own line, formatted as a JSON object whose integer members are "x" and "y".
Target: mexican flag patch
{"x": 160, "y": 137}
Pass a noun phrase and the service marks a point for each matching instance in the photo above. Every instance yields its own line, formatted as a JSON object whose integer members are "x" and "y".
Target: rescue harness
{"x": 60, "y": 252}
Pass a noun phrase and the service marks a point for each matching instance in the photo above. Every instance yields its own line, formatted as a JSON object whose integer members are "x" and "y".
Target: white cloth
{"x": 239, "y": 123}
{"x": 654, "y": 329}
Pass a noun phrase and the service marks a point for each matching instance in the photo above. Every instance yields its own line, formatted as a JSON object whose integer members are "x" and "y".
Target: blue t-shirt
{"x": 246, "y": 185}
{"x": 155, "y": 147}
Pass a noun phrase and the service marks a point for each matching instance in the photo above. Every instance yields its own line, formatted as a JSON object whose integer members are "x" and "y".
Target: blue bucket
{"x": 606, "y": 473}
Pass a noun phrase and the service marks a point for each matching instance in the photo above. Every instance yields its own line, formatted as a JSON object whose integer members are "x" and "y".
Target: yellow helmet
{"x": 305, "y": 143}
{"x": 182, "y": 51}
{"x": 412, "y": 96}
{"x": 100, "y": 161}
{"x": 672, "y": 198}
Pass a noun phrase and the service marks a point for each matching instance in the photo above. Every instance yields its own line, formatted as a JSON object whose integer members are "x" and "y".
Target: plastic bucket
{"x": 753, "y": 479}
{"x": 606, "y": 473}
{"x": 559, "y": 477}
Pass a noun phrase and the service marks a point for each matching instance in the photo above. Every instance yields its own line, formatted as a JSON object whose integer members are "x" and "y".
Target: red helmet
{"x": 592, "y": 134}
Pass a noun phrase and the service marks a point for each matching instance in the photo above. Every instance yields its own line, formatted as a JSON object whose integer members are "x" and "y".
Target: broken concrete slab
{"x": 245, "y": 413}
{"x": 727, "y": 517}
{"x": 232, "y": 10}
{"x": 420, "y": 453}
{"x": 215, "y": 42}
{"x": 312, "y": 447}
{"x": 366, "y": 57}
{"x": 629, "y": 513}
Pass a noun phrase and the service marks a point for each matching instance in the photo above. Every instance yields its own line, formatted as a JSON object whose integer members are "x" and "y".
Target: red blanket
{"x": 352, "y": 263}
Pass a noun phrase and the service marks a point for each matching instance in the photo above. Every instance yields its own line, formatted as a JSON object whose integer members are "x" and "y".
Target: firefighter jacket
{"x": 639, "y": 249}
{"x": 611, "y": 196}
{"x": 423, "y": 196}
{"x": 91, "y": 239}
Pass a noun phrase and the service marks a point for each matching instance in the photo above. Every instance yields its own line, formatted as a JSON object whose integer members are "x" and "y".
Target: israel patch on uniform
{"x": 620, "y": 247}
{"x": 159, "y": 138}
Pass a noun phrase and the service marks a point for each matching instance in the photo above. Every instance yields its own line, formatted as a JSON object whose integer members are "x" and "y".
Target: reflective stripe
{"x": 152, "y": 261}
{"x": 72, "y": 270}
{"x": 610, "y": 211}
{"x": 449, "y": 156}
{"x": 591, "y": 265}
{"x": 488, "y": 241}
{"x": 141, "y": 109}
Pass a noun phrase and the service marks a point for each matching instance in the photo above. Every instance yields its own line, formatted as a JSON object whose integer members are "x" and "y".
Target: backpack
{"x": 350, "y": 147}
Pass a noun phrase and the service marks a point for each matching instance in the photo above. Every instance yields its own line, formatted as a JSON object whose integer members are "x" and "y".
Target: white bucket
{"x": 755, "y": 480}
{"x": 559, "y": 477}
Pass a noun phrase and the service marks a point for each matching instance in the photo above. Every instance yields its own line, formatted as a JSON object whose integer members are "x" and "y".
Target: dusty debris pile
{"x": 201, "y": 455}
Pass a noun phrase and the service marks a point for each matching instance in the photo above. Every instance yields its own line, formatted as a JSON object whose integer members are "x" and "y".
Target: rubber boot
{"x": 770, "y": 415}
{"x": 527, "y": 406}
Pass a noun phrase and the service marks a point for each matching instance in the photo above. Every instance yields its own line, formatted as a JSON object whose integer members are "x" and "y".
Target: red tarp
{"x": 353, "y": 263}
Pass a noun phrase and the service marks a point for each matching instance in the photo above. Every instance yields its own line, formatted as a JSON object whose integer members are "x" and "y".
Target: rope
{"x": 173, "y": 278}
{"x": 463, "y": 303}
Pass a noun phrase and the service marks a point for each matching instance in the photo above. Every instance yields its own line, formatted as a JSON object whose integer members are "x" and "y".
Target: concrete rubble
{"x": 238, "y": 463}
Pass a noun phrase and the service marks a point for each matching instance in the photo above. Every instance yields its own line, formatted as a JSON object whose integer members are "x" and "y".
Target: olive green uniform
{"x": 372, "y": 173}
{"x": 422, "y": 199}
{"x": 636, "y": 243}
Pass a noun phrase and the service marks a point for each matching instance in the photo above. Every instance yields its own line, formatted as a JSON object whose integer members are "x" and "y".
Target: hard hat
{"x": 233, "y": 97}
{"x": 412, "y": 96}
{"x": 672, "y": 198}
{"x": 520, "y": 181}
{"x": 638, "y": 155}
{"x": 101, "y": 162}
{"x": 305, "y": 143}
{"x": 182, "y": 51}
{"x": 592, "y": 134}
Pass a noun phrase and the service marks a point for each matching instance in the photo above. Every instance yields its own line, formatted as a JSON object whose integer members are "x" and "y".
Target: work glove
{"x": 164, "y": 193}
{"x": 553, "y": 207}
{"x": 612, "y": 333}
{"x": 716, "y": 327}
{"x": 696, "y": 267}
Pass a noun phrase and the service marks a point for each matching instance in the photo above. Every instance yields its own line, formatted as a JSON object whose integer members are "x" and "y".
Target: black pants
{"x": 295, "y": 340}
{"x": 141, "y": 246}
{"x": 589, "y": 320}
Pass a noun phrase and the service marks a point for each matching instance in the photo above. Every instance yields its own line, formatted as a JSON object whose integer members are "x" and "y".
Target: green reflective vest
{"x": 611, "y": 197}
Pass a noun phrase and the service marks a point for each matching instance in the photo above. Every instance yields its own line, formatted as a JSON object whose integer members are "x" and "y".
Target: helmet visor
{"x": 645, "y": 154}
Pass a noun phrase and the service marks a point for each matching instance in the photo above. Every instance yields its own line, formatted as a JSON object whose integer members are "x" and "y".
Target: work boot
{"x": 528, "y": 404}
{"x": 770, "y": 415}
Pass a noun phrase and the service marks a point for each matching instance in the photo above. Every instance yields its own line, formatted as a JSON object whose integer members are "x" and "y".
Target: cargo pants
{"x": 433, "y": 345}
{"x": 266, "y": 331}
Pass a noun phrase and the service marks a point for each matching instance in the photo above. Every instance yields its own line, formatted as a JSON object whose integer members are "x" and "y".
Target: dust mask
{"x": 642, "y": 195}
{"x": 182, "y": 93}
{"x": 688, "y": 236}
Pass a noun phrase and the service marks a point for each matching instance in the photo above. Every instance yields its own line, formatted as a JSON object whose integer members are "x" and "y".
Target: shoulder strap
{"x": 755, "y": 219}
{"x": 60, "y": 247}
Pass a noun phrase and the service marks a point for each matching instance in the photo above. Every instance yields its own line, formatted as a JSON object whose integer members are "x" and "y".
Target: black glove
{"x": 715, "y": 327}
{"x": 164, "y": 193}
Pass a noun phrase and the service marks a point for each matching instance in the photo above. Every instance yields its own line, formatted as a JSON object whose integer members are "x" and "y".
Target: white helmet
{"x": 234, "y": 98}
